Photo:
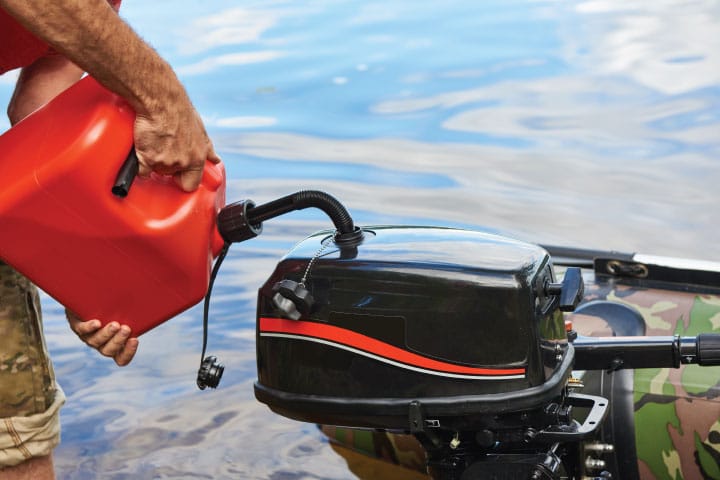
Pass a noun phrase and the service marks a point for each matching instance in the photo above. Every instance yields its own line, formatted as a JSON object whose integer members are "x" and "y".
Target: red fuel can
{"x": 137, "y": 260}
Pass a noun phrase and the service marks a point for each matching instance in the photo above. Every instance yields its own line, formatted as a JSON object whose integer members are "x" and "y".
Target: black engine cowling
{"x": 413, "y": 324}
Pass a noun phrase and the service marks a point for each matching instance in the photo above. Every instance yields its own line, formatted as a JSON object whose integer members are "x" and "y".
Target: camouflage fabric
{"x": 677, "y": 411}
{"x": 29, "y": 397}
{"x": 26, "y": 377}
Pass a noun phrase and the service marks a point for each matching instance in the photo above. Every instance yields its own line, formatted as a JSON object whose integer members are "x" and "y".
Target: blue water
{"x": 591, "y": 124}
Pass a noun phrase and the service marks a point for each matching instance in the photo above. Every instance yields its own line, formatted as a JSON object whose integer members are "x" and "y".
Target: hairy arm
{"x": 169, "y": 135}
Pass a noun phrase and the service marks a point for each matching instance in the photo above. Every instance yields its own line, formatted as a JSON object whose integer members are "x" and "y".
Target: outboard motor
{"x": 453, "y": 335}
{"x": 457, "y": 337}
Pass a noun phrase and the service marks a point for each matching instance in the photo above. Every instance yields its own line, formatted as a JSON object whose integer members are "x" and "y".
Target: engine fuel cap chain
{"x": 293, "y": 298}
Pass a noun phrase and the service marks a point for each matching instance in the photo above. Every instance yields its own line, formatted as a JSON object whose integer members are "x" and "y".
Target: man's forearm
{"x": 91, "y": 34}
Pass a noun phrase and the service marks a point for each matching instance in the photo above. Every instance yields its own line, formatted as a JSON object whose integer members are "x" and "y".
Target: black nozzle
{"x": 126, "y": 175}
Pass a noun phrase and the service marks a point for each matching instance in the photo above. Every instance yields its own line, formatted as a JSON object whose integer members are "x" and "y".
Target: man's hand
{"x": 173, "y": 141}
{"x": 112, "y": 340}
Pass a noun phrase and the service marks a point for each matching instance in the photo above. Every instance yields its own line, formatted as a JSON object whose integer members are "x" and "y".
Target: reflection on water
{"x": 580, "y": 123}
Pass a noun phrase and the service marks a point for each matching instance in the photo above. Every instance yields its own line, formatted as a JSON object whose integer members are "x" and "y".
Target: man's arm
{"x": 40, "y": 82}
{"x": 169, "y": 135}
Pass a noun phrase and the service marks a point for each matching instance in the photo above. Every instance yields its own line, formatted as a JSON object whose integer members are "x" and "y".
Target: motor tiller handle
{"x": 614, "y": 353}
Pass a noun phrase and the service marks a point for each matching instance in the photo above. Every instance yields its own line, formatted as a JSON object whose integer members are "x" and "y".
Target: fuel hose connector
{"x": 234, "y": 224}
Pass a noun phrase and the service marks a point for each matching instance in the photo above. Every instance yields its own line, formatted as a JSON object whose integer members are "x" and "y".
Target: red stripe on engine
{"x": 374, "y": 346}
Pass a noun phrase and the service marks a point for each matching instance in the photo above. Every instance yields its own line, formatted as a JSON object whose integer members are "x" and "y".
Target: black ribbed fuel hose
{"x": 300, "y": 200}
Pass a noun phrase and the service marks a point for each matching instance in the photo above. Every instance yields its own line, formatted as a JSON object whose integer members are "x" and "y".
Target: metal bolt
{"x": 574, "y": 382}
{"x": 594, "y": 463}
{"x": 600, "y": 447}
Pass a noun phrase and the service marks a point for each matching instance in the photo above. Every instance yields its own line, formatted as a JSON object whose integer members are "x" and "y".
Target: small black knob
{"x": 292, "y": 299}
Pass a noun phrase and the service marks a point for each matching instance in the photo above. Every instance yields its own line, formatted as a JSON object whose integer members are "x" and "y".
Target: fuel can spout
{"x": 242, "y": 220}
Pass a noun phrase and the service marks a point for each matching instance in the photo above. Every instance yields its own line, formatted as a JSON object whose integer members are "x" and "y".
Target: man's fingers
{"x": 112, "y": 340}
{"x": 116, "y": 342}
{"x": 144, "y": 169}
{"x": 102, "y": 336}
{"x": 83, "y": 329}
{"x": 212, "y": 155}
{"x": 188, "y": 180}
{"x": 127, "y": 352}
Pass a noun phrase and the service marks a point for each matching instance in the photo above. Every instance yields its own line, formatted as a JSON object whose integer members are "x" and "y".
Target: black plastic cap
{"x": 292, "y": 299}
{"x": 210, "y": 373}
{"x": 233, "y": 223}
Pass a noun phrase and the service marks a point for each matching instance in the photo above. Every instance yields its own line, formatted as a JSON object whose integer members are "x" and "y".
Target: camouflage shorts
{"x": 30, "y": 400}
